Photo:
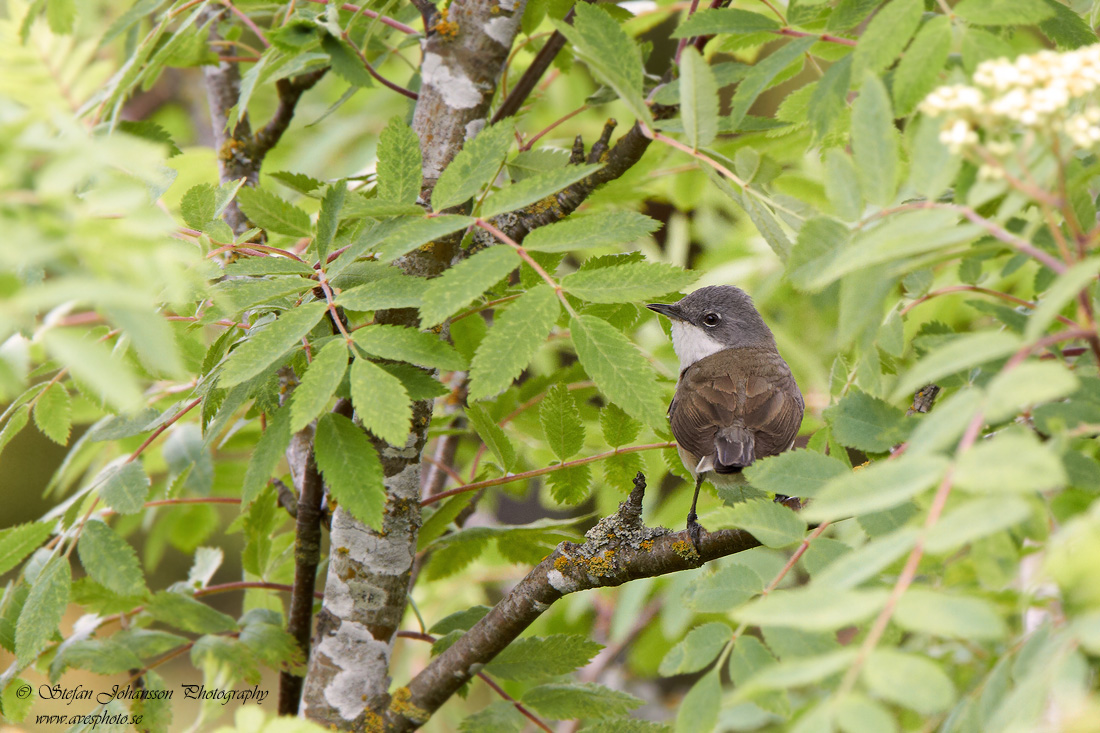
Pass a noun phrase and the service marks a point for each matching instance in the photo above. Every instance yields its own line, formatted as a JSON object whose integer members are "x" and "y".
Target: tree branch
{"x": 617, "y": 550}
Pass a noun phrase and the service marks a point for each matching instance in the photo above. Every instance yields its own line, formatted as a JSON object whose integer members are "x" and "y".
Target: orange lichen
{"x": 445, "y": 27}
{"x": 402, "y": 705}
{"x": 685, "y": 549}
{"x": 646, "y": 545}
{"x": 562, "y": 563}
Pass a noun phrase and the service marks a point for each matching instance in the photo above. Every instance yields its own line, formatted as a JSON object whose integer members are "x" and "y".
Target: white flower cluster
{"x": 1045, "y": 92}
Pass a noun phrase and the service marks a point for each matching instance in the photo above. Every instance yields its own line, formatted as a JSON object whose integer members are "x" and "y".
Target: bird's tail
{"x": 735, "y": 449}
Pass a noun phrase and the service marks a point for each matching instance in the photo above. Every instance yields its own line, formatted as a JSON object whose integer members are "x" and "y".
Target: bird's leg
{"x": 693, "y": 527}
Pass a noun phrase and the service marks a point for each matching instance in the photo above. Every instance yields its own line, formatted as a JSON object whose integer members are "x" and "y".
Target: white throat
{"x": 692, "y": 343}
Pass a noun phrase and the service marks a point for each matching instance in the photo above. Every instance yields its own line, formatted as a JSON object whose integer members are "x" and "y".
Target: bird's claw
{"x": 695, "y": 532}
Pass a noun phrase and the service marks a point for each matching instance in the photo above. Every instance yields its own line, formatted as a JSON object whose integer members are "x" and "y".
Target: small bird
{"x": 736, "y": 399}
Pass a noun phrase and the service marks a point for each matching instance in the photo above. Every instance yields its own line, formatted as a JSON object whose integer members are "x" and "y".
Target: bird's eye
{"x": 710, "y": 320}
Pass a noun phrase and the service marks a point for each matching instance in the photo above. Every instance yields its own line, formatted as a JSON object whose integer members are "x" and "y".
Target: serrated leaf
{"x": 1010, "y": 462}
{"x": 266, "y": 455}
{"x": 197, "y": 206}
{"x": 698, "y": 99}
{"x": 351, "y": 468}
{"x": 399, "y": 163}
{"x": 773, "y": 524}
{"x": 949, "y": 615}
{"x": 566, "y": 701}
{"x": 1065, "y": 288}
{"x": 1003, "y": 12}
{"x": 1029, "y": 384}
{"x": 517, "y": 333}
{"x": 401, "y": 236}
{"x": 43, "y": 610}
{"x": 594, "y": 230}
{"x": 617, "y": 368}
{"x": 798, "y": 671}
{"x": 399, "y": 291}
{"x": 570, "y": 485}
{"x": 535, "y": 657}
{"x": 885, "y": 36}
{"x": 418, "y": 384}
{"x": 919, "y": 69}
{"x": 867, "y": 423}
{"x": 726, "y": 588}
{"x": 799, "y": 473}
{"x": 318, "y": 384}
{"x": 264, "y": 346}
{"x": 181, "y": 611}
{"x": 1066, "y": 28}
{"x": 94, "y": 364}
{"x": 974, "y": 520}
{"x": 561, "y": 422}
{"x": 699, "y": 708}
{"x": 813, "y": 609}
{"x": 499, "y": 717}
{"x": 15, "y": 423}
{"x": 908, "y": 680}
{"x": 493, "y": 437}
{"x": 268, "y": 211}
{"x": 110, "y": 560}
{"x": 238, "y": 295}
{"x": 329, "y": 217}
{"x": 474, "y": 167}
{"x": 299, "y": 182}
{"x": 761, "y": 76}
{"x": 874, "y": 143}
{"x": 268, "y": 266}
{"x": 532, "y": 162}
{"x": 460, "y": 284}
{"x": 53, "y": 413}
{"x": 618, "y": 428}
{"x": 853, "y": 568}
{"x": 124, "y": 486}
{"x": 459, "y": 620}
{"x": 960, "y": 353}
{"x": 829, "y": 98}
{"x": 381, "y": 402}
{"x": 724, "y": 20}
{"x": 534, "y": 188}
{"x": 345, "y": 62}
{"x": 19, "y": 541}
{"x": 879, "y": 486}
{"x": 407, "y": 344}
{"x": 696, "y": 650}
{"x": 626, "y": 283}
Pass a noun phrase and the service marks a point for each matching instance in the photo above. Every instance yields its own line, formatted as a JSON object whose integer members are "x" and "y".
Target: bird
{"x": 736, "y": 400}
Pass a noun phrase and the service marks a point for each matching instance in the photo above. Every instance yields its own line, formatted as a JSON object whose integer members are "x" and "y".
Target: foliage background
{"x": 998, "y": 628}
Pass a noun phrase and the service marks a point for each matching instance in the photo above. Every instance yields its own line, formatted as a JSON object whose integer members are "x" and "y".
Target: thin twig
{"x": 396, "y": 25}
{"x": 977, "y": 289}
{"x": 529, "y": 260}
{"x": 248, "y": 22}
{"x": 373, "y": 72}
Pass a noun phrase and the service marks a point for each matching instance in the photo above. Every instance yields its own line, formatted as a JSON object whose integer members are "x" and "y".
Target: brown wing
{"x": 736, "y": 407}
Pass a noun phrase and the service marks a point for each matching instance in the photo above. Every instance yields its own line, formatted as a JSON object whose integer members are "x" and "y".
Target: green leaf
{"x": 534, "y": 188}
{"x": 853, "y": 568}
{"x": 459, "y": 620}
{"x": 1066, "y": 28}
{"x": 493, "y": 437}
{"x": 181, "y": 611}
{"x": 401, "y": 236}
{"x": 329, "y": 218}
{"x": 773, "y": 524}
{"x": 500, "y": 716}
{"x": 724, "y": 20}
{"x": 958, "y": 354}
{"x": 570, "y": 485}
{"x": 345, "y": 62}
{"x": 460, "y": 284}
{"x": 885, "y": 36}
{"x": 532, "y": 162}
{"x": 728, "y": 587}
{"x": 381, "y": 402}
{"x": 626, "y": 283}
{"x": 60, "y": 15}
{"x": 842, "y": 186}
{"x": 850, "y": 13}
{"x": 953, "y": 616}
{"x": 698, "y": 99}
{"x": 879, "y": 486}
{"x": 351, "y": 468}
{"x": 618, "y": 369}
{"x": 1011, "y": 461}
{"x": 799, "y": 473}
{"x": 748, "y": 657}
{"x": 858, "y": 714}
{"x": 398, "y": 291}
{"x": 561, "y": 422}
{"x": 1003, "y": 12}
{"x": 813, "y": 609}
{"x": 1029, "y": 384}
{"x": 908, "y": 680}
{"x": 407, "y": 344}
{"x": 517, "y": 333}
{"x": 919, "y": 70}
{"x": 399, "y": 163}
{"x": 94, "y": 364}
{"x": 867, "y": 423}
{"x": 696, "y": 650}
{"x": 830, "y": 98}
{"x": 419, "y": 384}
{"x": 569, "y": 700}
{"x": 267, "y": 454}
{"x": 594, "y": 230}
{"x": 109, "y": 560}
{"x": 268, "y": 211}
{"x": 53, "y": 413}
{"x": 237, "y": 296}
{"x": 264, "y": 346}
{"x": 761, "y": 77}
{"x": 874, "y": 142}
{"x": 535, "y": 657}
{"x": 474, "y": 167}
{"x": 1071, "y": 282}
{"x": 16, "y": 422}
{"x": 318, "y": 384}
{"x": 21, "y": 540}
{"x": 43, "y": 610}
{"x": 197, "y": 206}
{"x": 618, "y": 428}
{"x": 973, "y": 520}
{"x": 798, "y": 671}
{"x": 16, "y": 705}
{"x": 699, "y": 708}
{"x": 124, "y": 486}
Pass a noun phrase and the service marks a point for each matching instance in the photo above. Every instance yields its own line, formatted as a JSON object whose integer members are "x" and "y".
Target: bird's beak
{"x": 672, "y": 312}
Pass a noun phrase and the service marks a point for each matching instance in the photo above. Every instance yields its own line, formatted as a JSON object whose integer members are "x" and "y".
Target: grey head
{"x": 713, "y": 319}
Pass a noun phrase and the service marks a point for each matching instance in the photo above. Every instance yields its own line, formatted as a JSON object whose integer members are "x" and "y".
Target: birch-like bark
{"x": 347, "y": 685}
